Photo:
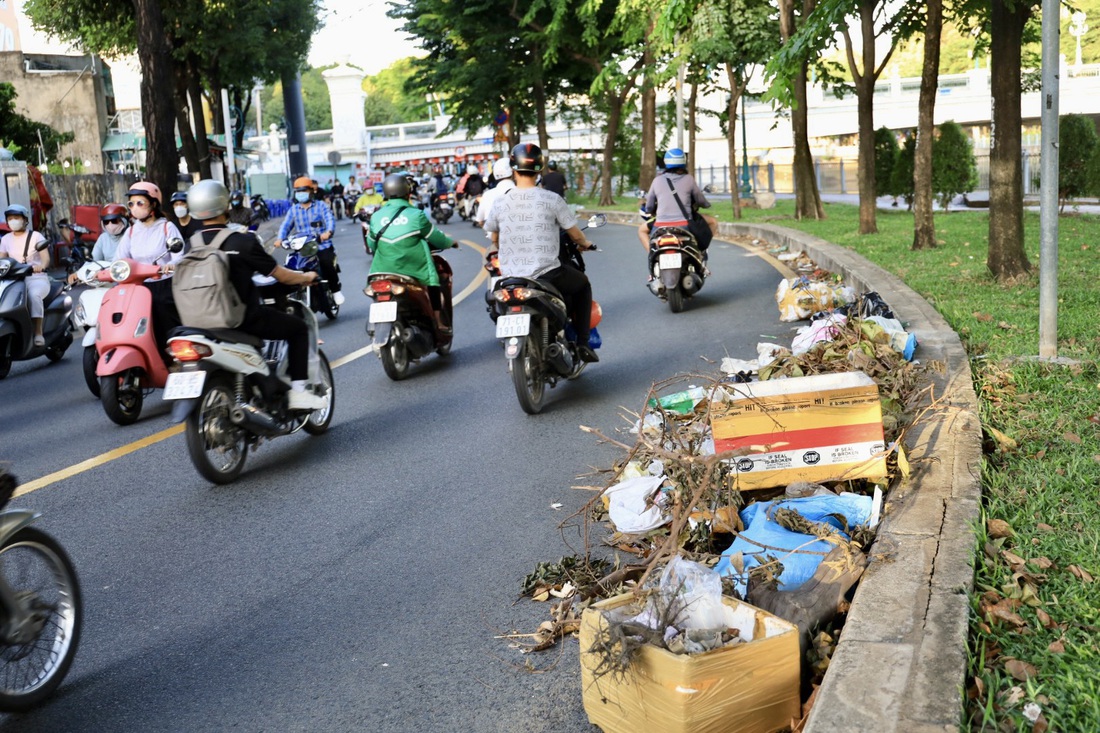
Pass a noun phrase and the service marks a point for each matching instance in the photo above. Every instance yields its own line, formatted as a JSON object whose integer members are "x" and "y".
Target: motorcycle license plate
{"x": 670, "y": 261}
{"x": 514, "y": 325}
{"x": 184, "y": 385}
{"x": 383, "y": 312}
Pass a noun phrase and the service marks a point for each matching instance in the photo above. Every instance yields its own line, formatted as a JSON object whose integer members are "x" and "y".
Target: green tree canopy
{"x": 1076, "y": 143}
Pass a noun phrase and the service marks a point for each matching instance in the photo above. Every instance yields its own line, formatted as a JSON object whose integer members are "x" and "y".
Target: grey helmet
{"x": 208, "y": 199}
{"x": 396, "y": 186}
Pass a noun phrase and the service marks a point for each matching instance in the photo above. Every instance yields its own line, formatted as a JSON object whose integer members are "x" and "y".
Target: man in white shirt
{"x": 502, "y": 173}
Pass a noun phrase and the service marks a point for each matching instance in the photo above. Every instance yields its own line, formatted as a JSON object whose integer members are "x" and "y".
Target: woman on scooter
{"x": 20, "y": 245}
{"x": 401, "y": 239}
{"x": 146, "y": 241}
{"x": 114, "y": 220}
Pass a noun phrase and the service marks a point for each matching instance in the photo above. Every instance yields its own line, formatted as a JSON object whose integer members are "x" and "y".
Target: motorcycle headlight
{"x": 297, "y": 243}
{"x": 81, "y": 315}
{"x": 5, "y": 265}
{"x": 120, "y": 271}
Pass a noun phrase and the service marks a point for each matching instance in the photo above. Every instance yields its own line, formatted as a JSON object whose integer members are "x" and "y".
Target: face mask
{"x": 16, "y": 225}
{"x": 181, "y": 211}
{"x": 237, "y": 203}
{"x": 114, "y": 227}
{"x": 301, "y": 196}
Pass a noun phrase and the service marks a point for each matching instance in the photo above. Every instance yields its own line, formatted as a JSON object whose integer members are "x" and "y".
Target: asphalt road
{"x": 356, "y": 580}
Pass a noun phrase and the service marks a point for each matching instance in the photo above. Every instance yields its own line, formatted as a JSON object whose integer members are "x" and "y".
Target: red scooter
{"x": 402, "y": 313}
{"x": 130, "y": 363}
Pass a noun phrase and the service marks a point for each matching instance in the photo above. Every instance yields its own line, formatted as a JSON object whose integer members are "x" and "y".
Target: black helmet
{"x": 552, "y": 165}
{"x": 179, "y": 196}
{"x": 526, "y": 158}
{"x": 396, "y": 186}
{"x": 236, "y": 198}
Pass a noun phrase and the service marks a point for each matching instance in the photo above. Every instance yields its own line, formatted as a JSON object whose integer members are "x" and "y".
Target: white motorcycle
{"x": 231, "y": 388}
{"x": 86, "y": 316}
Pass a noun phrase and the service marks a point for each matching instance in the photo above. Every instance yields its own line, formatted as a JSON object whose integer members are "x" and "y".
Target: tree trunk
{"x": 924, "y": 228}
{"x": 1007, "y": 258}
{"x": 614, "y": 117}
{"x": 540, "y": 104}
{"x": 693, "y": 103}
{"x": 198, "y": 119}
{"x": 806, "y": 195}
{"x": 731, "y": 138}
{"x": 865, "y": 91}
{"x": 214, "y": 100}
{"x": 183, "y": 124}
{"x": 647, "y": 171}
{"x": 243, "y": 102}
{"x": 158, "y": 113}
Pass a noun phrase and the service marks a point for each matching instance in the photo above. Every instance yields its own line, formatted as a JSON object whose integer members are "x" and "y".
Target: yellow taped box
{"x": 827, "y": 427}
{"x": 751, "y": 687}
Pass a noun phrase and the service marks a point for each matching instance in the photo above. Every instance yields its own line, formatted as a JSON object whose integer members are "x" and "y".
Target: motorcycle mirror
{"x": 41, "y": 246}
{"x": 175, "y": 245}
{"x": 363, "y": 215}
{"x": 596, "y": 221}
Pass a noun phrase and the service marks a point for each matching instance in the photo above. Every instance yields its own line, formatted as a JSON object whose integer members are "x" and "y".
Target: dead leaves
{"x": 1020, "y": 671}
{"x": 1079, "y": 573}
{"x": 999, "y": 528}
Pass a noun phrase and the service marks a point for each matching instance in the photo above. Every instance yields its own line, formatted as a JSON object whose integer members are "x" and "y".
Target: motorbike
{"x": 16, "y": 328}
{"x": 303, "y": 257}
{"x": 402, "y": 316}
{"x": 443, "y": 207}
{"x": 41, "y": 611}
{"x": 363, "y": 215}
{"x": 532, "y": 321}
{"x": 231, "y": 389}
{"x": 676, "y": 263}
{"x": 130, "y": 365}
{"x": 86, "y": 316}
{"x": 260, "y": 210}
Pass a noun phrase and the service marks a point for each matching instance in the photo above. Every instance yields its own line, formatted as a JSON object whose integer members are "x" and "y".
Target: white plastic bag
{"x": 627, "y": 504}
{"x": 697, "y": 592}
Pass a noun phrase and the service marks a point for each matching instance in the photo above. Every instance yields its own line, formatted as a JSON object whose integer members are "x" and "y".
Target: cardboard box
{"x": 827, "y": 427}
{"x": 752, "y": 687}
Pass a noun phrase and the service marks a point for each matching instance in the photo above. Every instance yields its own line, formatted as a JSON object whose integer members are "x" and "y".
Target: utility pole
{"x": 295, "y": 125}
{"x": 1048, "y": 193}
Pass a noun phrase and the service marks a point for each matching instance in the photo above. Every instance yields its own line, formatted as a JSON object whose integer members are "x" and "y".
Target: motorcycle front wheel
{"x": 122, "y": 396}
{"x": 319, "y": 420}
{"x": 35, "y": 659}
{"x": 91, "y": 359}
{"x": 217, "y": 447}
{"x": 527, "y": 378}
{"x": 395, "y": 356}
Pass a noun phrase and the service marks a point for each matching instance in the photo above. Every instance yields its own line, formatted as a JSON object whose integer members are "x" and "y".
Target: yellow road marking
{"x": 111, "y": 455}
{"x": 97, "y": 460}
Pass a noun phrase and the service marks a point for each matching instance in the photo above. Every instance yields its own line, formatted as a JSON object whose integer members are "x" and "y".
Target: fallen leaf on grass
{"x": 999, "y": 528}
{"x": 1041, "y": 454}
{"x": 1004, "y": 442}
{"x": 1044, "y": 527}
{"x": 1072, "y": 438}
{"x": 1045, "y": 619}
{"x": 1003, "y": 611}
{"x": 1020, "y": 671}
{"x": 983, "y": 317}
{"x": 1057, "y": 647}
{"x": 1080, "y": 573}
{"x": 1011, "y": 558}
{"x": 1006, "y": 326}
{"x": 1011, "y": 696}
{"x": 1043, "y": 563}
{"x": 1040, "y": 725}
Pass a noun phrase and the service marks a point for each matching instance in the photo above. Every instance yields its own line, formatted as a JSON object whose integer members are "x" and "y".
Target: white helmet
{"x": 208, "y": 199}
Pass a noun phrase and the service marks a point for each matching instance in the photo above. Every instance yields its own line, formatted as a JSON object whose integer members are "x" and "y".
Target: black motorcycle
{"x": 533, "y": 323}
{"x": 40, "y": 608}
{"x": 16, "y": 327}
{"x": 676, "y": 265}
{"x": 260, "y": 212}
{"x": 303, "y": 257}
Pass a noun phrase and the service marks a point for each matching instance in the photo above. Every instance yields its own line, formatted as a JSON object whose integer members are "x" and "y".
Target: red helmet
{"x": 148, "y": 190}
{"x": 112, "y": 212}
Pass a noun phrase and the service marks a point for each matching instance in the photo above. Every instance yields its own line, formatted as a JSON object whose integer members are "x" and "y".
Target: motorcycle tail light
{"x": 668, "y": 240}
{"x": 381, "y": 286}
{"x": 523, "y": 293}
{"x": 502, "y": 295}
{"x": 515, "y": 309}
{"x": 184, "y": 350}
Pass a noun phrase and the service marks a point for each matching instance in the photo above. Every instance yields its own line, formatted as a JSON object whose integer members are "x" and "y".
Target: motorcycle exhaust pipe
{"x": 254, "y": 420}
{"x": 559, "y": 358}
{"x": 418, "y": 341}
{"x": 692, "y": 282}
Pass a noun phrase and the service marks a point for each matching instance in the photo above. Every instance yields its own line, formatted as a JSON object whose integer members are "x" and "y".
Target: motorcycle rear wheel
{"x": 122, "y": 396}
{"x": 395, "y": 358}
{"x": 675, "y": 299}
{"x": 32, "y": 668}
{"x": 330, "y": 309}
{"x": 319, "y": 420}
{"x": 91, "y": 360}
{"x": 527, "y": 378}
{"x": 217, "y": 447}
{"x": 55, "y": 352}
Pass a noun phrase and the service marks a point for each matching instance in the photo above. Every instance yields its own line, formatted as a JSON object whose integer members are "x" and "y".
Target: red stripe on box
{"x": 799, "y": 439}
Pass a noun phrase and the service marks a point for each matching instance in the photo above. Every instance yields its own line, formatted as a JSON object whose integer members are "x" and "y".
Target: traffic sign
{"x": 334, "y": 157}
{"x": 460, "y": 151}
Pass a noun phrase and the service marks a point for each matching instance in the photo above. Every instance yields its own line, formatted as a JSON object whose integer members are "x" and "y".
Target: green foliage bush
{"x": 901, "y": 181}
{"x": 954, "y": 169}
{"x": 886, "y": 155}
{"x": 1076, "y": 146}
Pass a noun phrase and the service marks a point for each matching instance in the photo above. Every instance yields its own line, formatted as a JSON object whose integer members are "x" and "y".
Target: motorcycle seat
{"x": 393, "y": 276}
{"x": 224, "y": 335}
{"x": 527, "y": 282}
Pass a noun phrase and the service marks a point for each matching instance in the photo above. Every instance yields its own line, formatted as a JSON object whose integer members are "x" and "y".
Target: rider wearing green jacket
{"x": 401, "y": 238}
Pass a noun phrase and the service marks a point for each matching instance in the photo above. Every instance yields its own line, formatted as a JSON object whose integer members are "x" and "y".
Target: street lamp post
{"x": 1078, "y": 28}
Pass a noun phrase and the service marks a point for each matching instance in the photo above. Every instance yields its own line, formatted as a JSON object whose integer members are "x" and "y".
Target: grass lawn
{"x": 1035, "y": 611}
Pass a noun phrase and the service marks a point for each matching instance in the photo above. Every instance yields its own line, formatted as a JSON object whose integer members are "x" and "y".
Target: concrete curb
{"x": 901, "y": 661}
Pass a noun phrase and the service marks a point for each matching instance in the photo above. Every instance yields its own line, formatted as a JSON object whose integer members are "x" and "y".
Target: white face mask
{"x": 301, "y": 196}
{"x": 181, "y": 211}
{"x": 16, "y": 225}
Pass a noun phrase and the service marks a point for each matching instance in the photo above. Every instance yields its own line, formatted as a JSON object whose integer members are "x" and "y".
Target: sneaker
{"x": 305, "y": 401}
{"x": 39, "y": 341}
{"x": 587, "y": 355}
{"x": 338, "y": 298}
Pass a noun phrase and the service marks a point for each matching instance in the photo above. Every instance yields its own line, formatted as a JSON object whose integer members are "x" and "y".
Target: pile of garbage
{"x": 677, "y": 516}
